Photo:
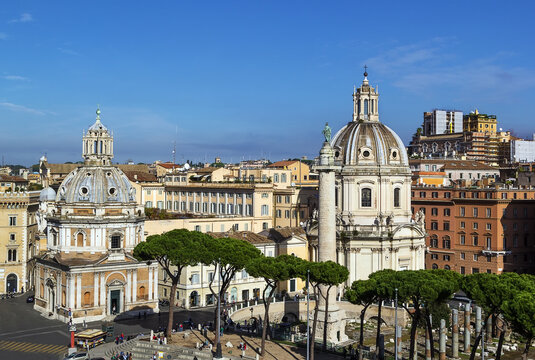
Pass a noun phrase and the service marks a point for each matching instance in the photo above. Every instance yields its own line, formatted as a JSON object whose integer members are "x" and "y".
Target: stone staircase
{"x": 144, "y": 350}
{"x": 117, "y": 349}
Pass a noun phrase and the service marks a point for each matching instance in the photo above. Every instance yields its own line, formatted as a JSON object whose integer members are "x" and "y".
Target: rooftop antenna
{"x": 174, "y": 147}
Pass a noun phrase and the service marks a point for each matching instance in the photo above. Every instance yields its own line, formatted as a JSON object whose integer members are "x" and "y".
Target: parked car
{"x": 77, "y": 356}
{"x": 30, "y": 299}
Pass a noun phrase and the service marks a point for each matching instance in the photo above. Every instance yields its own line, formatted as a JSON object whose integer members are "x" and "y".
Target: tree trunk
{"x": 414, "y": 325}
{"x": 361, "y": 335}
{"x": 474, "y": 347}
{"x": 172, "y": 298}
{"x": 378, "y": 326}
{"x": 500, "y": 341}
{"x": 429, "y": 327}
{"x": 264, "y": 325}
{"x": 526, "y": 349}
{"x": 325, "y": 320}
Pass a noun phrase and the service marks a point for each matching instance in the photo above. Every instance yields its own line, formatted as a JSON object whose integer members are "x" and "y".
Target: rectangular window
{"x": 463, "y": 211}
{"x": 462, "y": 224}
{"x": 287, "y": 214}
{"x": 115, "y": 241}
{"x": 475, "y": 212}
{"x": 475, "y": 225}
{"x": 462, "y": 270}
{"x": 446, "y": 226}
{"x": 447, "y": 212}
{"x": 447, "y": 195}
{"x": 434, "y": 225}
{"x": 366, "y": 200}
{"x": 434, "y": 194}
{"x": 264, "y": 210}
{"x": 474, "y": 240}
{"x": 194, "y": 279}
{"x": 446, "y": 258}
{"x": 434, "y": 257}
{"x": 287, "y": 199}
{"x": 488, "y": 212}
{"x": 434, "y": 211}
{"x": 198, "y": 228}
{"x": 422, "y": 194}
{"x": 489, "y": 226}
{"x": 462, "y": 240}
{"x": 463, "y": 255}
{"x": 12, "y": 221}
{"x": 476, "y": 257}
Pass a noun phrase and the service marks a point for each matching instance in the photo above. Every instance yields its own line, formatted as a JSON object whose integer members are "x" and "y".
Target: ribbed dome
{"x": 369, "y": 143}
{"x": 47, "y": 194}
{"x": 96, "y": 184}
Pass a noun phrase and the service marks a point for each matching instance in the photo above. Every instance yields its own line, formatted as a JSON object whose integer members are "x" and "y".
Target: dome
{"x": 96, "y": 184}
{"x": 47, "y": 194}
{"x": 369, "y": 143}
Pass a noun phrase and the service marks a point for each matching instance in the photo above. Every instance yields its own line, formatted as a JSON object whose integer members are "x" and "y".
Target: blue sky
{"x": 246, "y": 79}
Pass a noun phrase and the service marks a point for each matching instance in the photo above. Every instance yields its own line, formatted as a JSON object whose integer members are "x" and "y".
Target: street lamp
{"x": 308, "y": 315}
{"x": 396, "y": 325}
{"x": 218, "y": 350}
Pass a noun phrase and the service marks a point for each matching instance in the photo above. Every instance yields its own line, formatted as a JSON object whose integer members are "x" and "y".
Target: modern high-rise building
{"x": 442, "y": 122}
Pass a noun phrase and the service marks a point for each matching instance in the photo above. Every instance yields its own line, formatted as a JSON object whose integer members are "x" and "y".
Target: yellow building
{"x": 17, "y": 234}
{"x": 290, "y": 241}
{"x": 300, "y": 172}
{"x": 477, "y": 122}
{"x": 12, "y": 183}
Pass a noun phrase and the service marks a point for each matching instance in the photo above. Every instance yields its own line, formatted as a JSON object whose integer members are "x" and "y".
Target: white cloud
{"x": 21, "y": 108}
{"x": 68, "y": 51}
{"x": 23, "y": 18}
{"x": 15, "y": 78}
{"x": 425, "y": 65}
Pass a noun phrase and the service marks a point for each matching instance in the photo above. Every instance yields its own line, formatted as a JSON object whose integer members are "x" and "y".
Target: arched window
{"x": 447, "y": 267}
{"x": 434, "y": 266}
{"x": 95, "y": 147}
{"x": 396, "y": 197}
{"x": 87, "y": 299}
{"x": 366, "y": 199}
{"x": 434, "y": 241}
{"x": 80, "y": 239}
{"x": 141, "y": 293}
{"x": 365, "y": 106}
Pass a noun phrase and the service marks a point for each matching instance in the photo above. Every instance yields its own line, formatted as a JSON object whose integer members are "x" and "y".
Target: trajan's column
{"x": 327, "y": 237}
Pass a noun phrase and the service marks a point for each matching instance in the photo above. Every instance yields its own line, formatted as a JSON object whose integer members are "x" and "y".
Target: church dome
{"x": 365, "y": 140}
{"x": 47, "y": 194}
{"x": 97, "y": 185}
{"x": 369, "y": 143}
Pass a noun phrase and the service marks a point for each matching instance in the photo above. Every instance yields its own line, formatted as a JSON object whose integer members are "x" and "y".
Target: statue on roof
{"x": 327, "y": 132}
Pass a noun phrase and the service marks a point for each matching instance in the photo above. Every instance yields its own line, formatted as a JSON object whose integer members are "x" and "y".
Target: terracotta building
{"x": 478, "y": 230}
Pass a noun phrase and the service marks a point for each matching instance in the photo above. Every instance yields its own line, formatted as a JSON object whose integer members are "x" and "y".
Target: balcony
{"x": 488, "y": 252}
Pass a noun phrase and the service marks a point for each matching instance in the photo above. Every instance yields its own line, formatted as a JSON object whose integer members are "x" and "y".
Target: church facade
{"x": 91, "y": 227}
{"x": 370, "y": 180}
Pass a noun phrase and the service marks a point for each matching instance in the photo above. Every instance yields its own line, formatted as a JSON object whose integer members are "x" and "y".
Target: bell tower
{"x": 97, "y": 144}
{"x": 365, "y": 101}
